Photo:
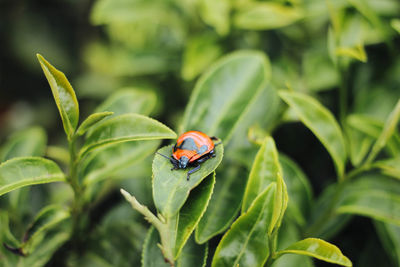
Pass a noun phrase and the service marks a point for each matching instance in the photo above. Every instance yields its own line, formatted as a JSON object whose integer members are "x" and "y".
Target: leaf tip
{"x": 126, "y": 195}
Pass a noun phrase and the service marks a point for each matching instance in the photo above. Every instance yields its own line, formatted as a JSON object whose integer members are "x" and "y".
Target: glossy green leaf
{"x": 224, "y": 92}
{"x": 199, "y": 53}
{"x": 129, "y": 100}
{"x": 299, "y": 190}
{"x": 224, "y": 204}
{"x": 390, "y": 167}
{"x": 19, "y": 172}
{"x": 322, "y": 123}
{"x": 265, "y": 15}
{"x": 390, "y": 238}
{"x": 171, "y": 188}
{"x": 91, "y": 121}
{"x": 64, "y": 96}
{"x": 192, "y": 211}
{"x": 105, "y": 161}
{"x": 319, "y": 249}
{"x": 124, "y": 128}
{"x": 263, "y": 172}
{"x": 29, "y": 142}
{"x": 387, "y": 132}
{"x": 193, "y": 254}
{"x": 216, "y": 14}
{"x": 47, "y": 219}
{"x": 374, "y": 196}
{"x": 246, "y": 242}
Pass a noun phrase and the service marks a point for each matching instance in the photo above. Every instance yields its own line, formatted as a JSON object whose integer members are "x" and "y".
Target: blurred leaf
{"x": 64, "y": 96}
{"x": 224, "y": 93}
{"x": 104, "y": 162}
{"x": 216, "y": 14}
{"x": 390, "y": 167}
{"x": 322, "y": 123}
{"x": 124, "y": 128}
{"x": 387, "y": 132}
{"x": 224, "y": 204}
{"x": 396, "y": 24}
{"x": 24, "y": 171}
{"x": 171, "y": 187}
{"x": 193, "y": 254}
{"x": 29, "y": 142}
{"x": 246, "y": 242}
{"x": 199, "y": 53}
{"x": 192, "y": 211}
{"x": 374, "y": 196}
{"x": 265, "y": 15}
{"x": 319, "y": 249}
{"x": 91, "y": 121}
{"x": 357, "y": 52}
{"x": 263, "y": 172}
{"x": 359, "y": 143}
{"x": 129, "y": 100}
{"x": 390, "y": 238}
{"x": 46, "y": 220}
{"x": 299, "y": 190}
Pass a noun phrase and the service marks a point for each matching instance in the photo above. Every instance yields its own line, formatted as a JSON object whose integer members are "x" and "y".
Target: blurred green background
{"x": 164, "y": 45}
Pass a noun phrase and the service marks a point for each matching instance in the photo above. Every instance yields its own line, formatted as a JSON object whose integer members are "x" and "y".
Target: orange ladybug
{"x": 191, "y": 149}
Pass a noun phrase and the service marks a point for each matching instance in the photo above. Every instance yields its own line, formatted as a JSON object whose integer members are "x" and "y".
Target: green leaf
{"x": 29, "y": 142}
{"x": 19, "y": 172}
{"x": 151, "y": 253}
{"x": 216, "y": 14}
{"x": 105, "y": 161}
{"x": 171, "y": 188}
{"x": 193, "y": 254}
{"x": 387, "y": 132}
{"x": 359, "y": 143}
{"x": 124, "y": 128}
{"x": 200, "y": 52}
{"x": 390, "y": 167}
{"x": 390, "y": 238}
{"x": 129, "y": 100}
{"x": 357, "y": 52}
{"x": 218, "y": 102}
{"x": 224, "y": 204}
{"x": 190, "y": 214}
{"x": 91, "y": 121}
{"x": 299, "y": 190}
{"x": 395, "y": 23}
{"x": 246, "y": 242}
{"x": 319, "y": 249}
{"x": 322, "y": 123}
{"x": 265, "y": 15}
{"x": 374, "y": 196}
{"x": 48, "y": 218}
{"x": 64, "y": 96}
{"x": 263, "y": 172}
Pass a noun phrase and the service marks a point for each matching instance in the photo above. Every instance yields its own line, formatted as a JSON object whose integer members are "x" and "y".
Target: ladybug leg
{"x": 196, "y": 168}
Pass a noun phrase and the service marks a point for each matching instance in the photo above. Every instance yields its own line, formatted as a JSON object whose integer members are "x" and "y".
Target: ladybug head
{"x": 183, "y": 162}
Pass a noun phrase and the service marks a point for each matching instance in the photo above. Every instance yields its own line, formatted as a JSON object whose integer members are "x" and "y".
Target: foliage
{"x": 303, "y": 96}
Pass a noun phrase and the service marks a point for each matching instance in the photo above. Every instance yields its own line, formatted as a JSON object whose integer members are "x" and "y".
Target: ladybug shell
{"x": 193, "y": 145}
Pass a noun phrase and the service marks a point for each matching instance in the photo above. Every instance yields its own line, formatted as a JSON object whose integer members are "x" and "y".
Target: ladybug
{"x": 191, "y": 149}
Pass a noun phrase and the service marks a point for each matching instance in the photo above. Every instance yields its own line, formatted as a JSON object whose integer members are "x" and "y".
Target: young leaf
{"x": 224, "y": 204}
{"x": 319, "y": 249}
{"x": 171, "y": 187}
{"x": 246, "y": 242}
{"x": 129, "y": 100}
{"x": 322, "y": 123}
{"x": 124, "y": 128}
{"x": 26, "y": 143}
{"x": 106, "y": 161}
{"x": 64, "y": 96}
{"x": 217, "y": 103}
{"x": 190, "y": 214}
{"x": 91, "y": 121}
{"x": 24, "y": 171}
{"x": 263, "y": 172}
{"x": 387, "y": 132}
{"x": 216, "y": 14}
{"x": 47, "y": 218}
{"x": 265, "y": 15}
